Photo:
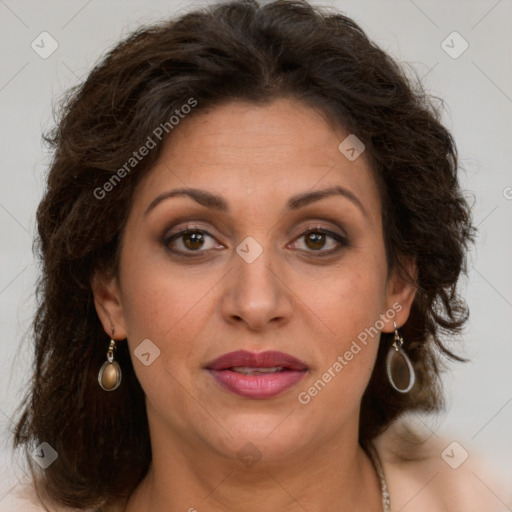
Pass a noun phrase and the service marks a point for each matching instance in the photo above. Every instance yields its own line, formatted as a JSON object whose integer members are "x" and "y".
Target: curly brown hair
{"x": 234, "y": 51}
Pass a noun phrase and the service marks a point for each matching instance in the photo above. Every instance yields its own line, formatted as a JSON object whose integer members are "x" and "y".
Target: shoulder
{"x": 425, "y": 473}
{"x": 23, "y": 497}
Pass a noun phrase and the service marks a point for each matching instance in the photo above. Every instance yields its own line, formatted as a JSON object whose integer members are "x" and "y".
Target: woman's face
{"x": 247, "y": 278}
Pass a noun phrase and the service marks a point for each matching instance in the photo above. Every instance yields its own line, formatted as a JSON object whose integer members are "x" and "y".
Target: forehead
{"x": 274, "y": 150}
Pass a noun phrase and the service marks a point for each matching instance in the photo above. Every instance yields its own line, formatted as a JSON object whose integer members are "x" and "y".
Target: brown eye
{"x": 189, "y": 240}
{"x": 193, "y": 240}
{"x": 317, "y": 239}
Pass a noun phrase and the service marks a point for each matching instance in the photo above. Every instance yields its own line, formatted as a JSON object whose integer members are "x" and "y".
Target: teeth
{"x": 246, "y": 370}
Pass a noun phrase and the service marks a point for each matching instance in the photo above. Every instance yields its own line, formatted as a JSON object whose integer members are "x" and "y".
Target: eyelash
{"x": 340, "y": 239}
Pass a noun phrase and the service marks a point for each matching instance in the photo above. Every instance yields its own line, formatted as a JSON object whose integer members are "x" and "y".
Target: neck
{"x": 333, "y": 475}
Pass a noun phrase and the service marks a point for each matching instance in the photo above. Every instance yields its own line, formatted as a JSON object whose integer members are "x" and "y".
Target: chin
{"x": 258, "y": 437}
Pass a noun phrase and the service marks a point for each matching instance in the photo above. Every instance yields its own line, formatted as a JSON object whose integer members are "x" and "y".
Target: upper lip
{"x": 267, "y": 359}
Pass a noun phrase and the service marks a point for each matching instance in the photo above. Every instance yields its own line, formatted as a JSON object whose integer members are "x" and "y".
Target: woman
{"x": 251, "y": 240}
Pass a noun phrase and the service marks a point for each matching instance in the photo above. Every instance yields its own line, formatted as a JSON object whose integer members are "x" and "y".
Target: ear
{"x": 400, "y": 294}
{"x": 107, "y": 301}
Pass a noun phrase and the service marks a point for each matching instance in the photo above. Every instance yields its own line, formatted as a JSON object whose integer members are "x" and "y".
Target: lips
{"x": 257, "y": 375}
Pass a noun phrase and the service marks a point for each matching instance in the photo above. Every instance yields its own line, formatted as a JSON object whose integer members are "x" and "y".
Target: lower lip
{"x": 264, "y": 385}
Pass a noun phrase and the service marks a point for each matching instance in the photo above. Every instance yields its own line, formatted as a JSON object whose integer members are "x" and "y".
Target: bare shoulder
{"x": 22, "y": 497}
{"x": 426, "y": 473}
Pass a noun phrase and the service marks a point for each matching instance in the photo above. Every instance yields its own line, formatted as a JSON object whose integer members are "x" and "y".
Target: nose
{"x": 256, "y": 293}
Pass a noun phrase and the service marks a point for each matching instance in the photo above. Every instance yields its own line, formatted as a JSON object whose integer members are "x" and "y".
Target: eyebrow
{"x": 218, "y": 203}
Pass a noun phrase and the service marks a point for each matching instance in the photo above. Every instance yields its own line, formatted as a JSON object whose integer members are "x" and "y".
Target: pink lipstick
{"x": 257, "y": 375}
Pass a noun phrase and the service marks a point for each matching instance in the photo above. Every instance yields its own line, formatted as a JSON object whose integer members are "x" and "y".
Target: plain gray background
{"x": 476, "y": 87}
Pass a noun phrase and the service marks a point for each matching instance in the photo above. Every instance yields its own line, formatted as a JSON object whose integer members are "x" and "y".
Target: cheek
{"x": 156, "y": 295}
{"x": 163, "y": 308}
{"x": 169, "y": 305}
{"x": 166, "y": 314}
{"x": 350, "y": 300}
{"x": 349, "y": 305}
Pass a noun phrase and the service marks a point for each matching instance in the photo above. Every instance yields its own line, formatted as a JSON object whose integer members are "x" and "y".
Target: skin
{"x": 291, "y": 299}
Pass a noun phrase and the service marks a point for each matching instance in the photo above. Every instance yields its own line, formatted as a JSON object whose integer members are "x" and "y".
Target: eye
{"x": 315, "y": 240}
{"x": 189, "y": 240}
{"x": 197, "y": 240}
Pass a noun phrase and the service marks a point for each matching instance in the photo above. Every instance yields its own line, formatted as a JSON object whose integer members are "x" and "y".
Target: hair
{"x": 237, "y": 51}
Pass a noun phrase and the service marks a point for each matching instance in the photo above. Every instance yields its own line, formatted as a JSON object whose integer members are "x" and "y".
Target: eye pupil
{"x": 194, "y": 238}
{"x": 318, "y": 240}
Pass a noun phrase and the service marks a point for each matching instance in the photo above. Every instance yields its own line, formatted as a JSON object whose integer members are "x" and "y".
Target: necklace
{"x": 374, "y": 456}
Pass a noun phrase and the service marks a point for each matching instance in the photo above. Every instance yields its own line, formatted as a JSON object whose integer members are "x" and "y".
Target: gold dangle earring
{"x": 399, "y": 368}
{"x": 109, "y": 376}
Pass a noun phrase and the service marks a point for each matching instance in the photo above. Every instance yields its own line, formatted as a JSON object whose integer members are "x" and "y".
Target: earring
{"x": 109, "y": 376}
{"x": 399, "y": 368}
